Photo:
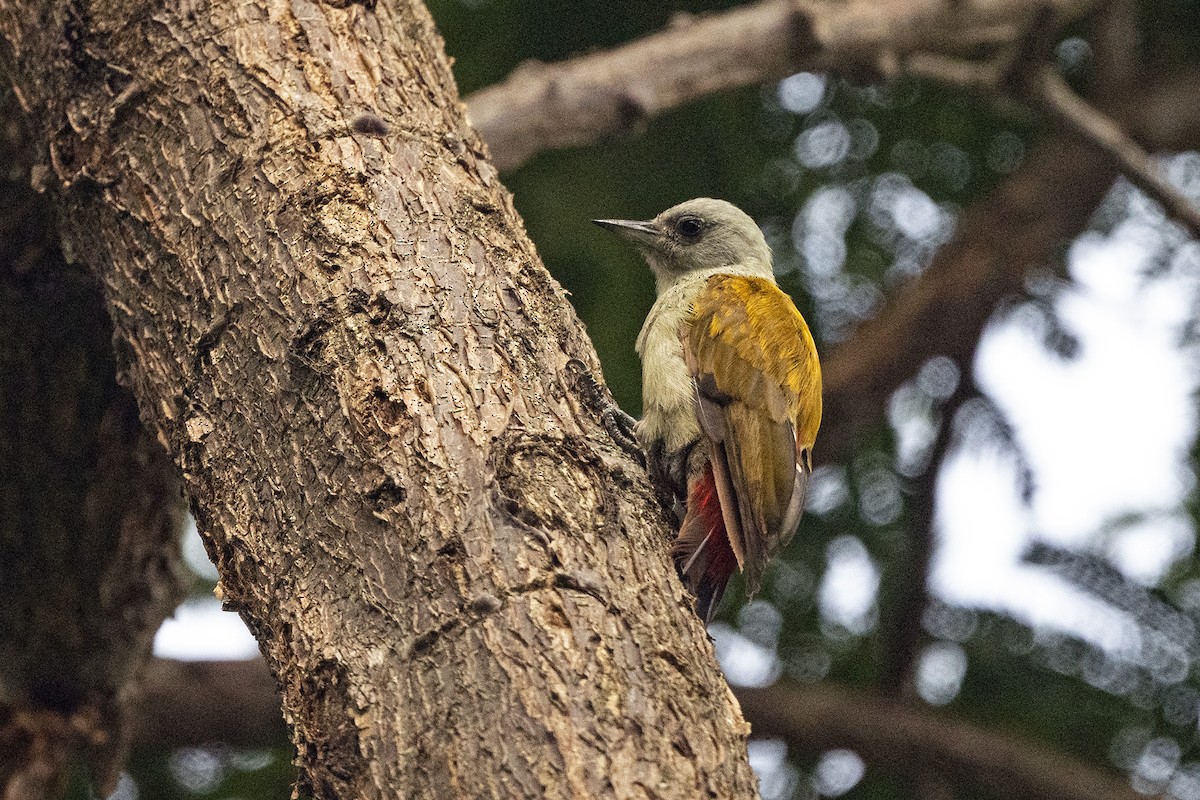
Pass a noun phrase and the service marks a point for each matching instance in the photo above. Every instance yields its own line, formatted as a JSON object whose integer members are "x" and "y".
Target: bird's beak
{"x": 643, "y": 233}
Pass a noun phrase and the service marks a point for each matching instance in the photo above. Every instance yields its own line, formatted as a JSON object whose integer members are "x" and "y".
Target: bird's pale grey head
{"x": 699, "y": 234}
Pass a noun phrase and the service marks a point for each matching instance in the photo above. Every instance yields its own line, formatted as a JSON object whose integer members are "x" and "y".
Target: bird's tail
{"x": 702, "y": 553}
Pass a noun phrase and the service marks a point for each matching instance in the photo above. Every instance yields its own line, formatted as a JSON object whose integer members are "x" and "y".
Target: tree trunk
{"x": 330, "y": 313}
{"x": 90, "y": 509}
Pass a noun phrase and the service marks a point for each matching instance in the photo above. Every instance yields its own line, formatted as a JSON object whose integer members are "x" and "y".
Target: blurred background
{"x": 1007, "y": 537}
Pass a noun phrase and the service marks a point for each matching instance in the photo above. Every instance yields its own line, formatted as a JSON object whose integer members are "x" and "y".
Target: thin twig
{"x": 983, "y": 79}
{"x": 977, "y": 77}
{"x": 1057, "y": 101}
{"x": 1044, "y": 90}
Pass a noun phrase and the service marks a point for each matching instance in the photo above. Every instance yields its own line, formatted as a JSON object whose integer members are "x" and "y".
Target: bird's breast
{"x": 668, "y": 397}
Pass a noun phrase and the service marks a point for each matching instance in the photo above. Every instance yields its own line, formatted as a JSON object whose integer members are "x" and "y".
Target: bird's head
{"x": 696, "y": 235}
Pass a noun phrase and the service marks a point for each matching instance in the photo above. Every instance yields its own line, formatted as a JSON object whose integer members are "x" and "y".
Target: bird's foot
{"x": 618, "y": 424}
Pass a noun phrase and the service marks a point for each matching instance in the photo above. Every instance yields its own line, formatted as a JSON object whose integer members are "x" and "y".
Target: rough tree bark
{"x": 90, "y": 509}
{"x": 349, "y": 345}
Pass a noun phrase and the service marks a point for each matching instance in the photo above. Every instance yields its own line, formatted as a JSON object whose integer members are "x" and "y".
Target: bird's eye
{"x": 689, "y": 227}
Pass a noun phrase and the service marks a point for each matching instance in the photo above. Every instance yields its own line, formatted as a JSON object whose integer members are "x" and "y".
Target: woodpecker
{"x": 731, "y": 393}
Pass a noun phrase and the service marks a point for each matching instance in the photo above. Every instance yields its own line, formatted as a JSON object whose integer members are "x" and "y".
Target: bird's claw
{"x": 618, "y": 424}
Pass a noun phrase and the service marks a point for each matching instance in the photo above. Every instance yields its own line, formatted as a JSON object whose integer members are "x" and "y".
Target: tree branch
{"x": 576, "y": 102}
{"x": 1019, "y": 227}
{"x": 234, "y": 702}
{"x": 1045, "y": 91}
{"x": 186, "y": 703}
{"x": 971, "y": 274}
{"x": 909, "y": 741}
{"x": 1056, "y": 99}
{"x": 903, "y": 633}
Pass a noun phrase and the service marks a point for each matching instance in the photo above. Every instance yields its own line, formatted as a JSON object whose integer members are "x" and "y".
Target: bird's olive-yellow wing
{"x": 758, "y": 396}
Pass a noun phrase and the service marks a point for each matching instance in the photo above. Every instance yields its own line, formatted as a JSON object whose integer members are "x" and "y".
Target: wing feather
{"x": 791, "y": 517}
{"x": 758, "y": 399}
{"x": 728, "y": 495}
